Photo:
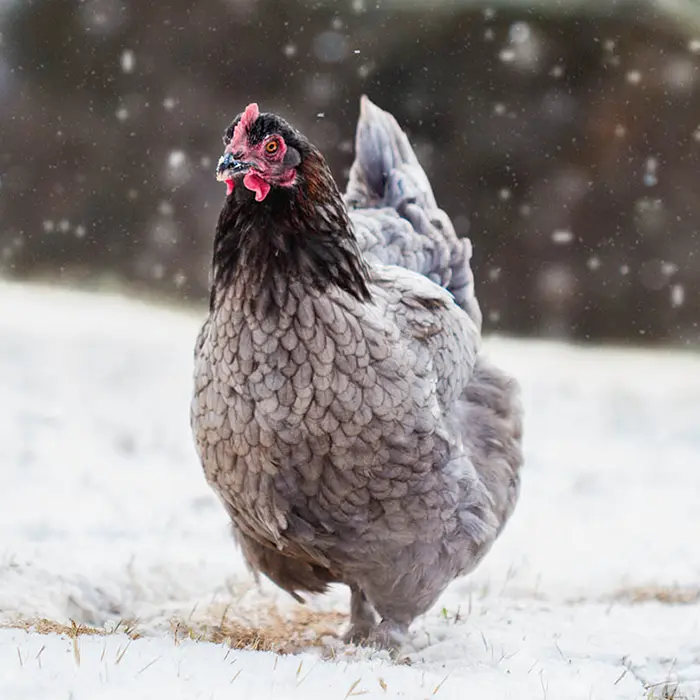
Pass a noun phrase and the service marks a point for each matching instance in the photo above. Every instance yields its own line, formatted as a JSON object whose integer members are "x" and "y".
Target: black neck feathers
{"x": 296, "y": 234}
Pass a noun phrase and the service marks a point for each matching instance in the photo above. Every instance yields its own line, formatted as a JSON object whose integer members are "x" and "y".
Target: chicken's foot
{"x": 362, "y": 618}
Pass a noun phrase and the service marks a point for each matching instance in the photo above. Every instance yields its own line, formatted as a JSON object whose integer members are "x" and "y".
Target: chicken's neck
{"x": 261, "y": 248}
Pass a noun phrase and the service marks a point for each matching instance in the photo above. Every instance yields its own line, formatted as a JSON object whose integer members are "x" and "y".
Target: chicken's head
{"x": 262, "y": 151}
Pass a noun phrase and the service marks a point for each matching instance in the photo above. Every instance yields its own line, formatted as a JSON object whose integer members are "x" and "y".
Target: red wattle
{"x": 255, "y": 183}
{"x": 229, "y": 187}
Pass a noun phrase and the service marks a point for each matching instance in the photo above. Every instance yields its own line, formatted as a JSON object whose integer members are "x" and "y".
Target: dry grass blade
{"x": 440, "y": 684}
{"x": 351, "y": 691}
{"x": 121, "y": 652}
{"x": 76, "y": 650}
{"x": 305, "y": 676}
{"x": 622, "y": 675}
{"x": 148, "y": 665}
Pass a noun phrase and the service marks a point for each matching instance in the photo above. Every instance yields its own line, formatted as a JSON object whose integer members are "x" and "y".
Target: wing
{"x": 430, "y": 320}
{"x": 394, "y": 212}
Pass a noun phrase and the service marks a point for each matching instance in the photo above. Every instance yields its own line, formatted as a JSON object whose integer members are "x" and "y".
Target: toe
{"x": 389, "y": 636}
{"x": 358, "y": 634}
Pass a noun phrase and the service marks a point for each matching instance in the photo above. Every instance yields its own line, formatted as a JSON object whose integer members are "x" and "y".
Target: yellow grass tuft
{"x": 285, "y": 635}
{"x": 669, "y": 595}
{"x": 74, "y": 630}
{"x": 302, "y": 630}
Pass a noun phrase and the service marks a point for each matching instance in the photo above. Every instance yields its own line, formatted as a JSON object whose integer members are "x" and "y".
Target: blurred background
{"x": 563, "y": 137}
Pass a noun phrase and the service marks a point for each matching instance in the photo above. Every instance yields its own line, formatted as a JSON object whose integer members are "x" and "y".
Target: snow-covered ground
{"x": 106, "y": 520}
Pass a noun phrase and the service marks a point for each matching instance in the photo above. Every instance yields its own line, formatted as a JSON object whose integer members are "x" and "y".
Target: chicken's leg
{"x": 362, "y": 618}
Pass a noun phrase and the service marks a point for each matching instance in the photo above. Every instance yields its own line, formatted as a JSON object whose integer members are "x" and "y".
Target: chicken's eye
{"x": 272, "y": 147}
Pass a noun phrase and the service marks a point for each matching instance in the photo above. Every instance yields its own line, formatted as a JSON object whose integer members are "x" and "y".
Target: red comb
{"x": 247, "y": 120}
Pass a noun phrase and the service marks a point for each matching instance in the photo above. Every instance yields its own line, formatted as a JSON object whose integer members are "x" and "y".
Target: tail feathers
{"x": 386, "y": 169}
{"x": 394, "y": 212}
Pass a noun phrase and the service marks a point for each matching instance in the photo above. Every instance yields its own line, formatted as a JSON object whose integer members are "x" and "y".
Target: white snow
{"x": 105, "y": 516}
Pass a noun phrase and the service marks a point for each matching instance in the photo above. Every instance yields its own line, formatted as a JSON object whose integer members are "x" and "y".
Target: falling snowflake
{"x": 562, "y": 236}
{"x": 677, "y": 295}
{"x": 519, "y": 32}
{"x": 650, "y": 176}
{"x": 557, "y": 71}
{"x": 178, "y": 168}
{"x": 365, "y": 70}
{"x": 668, "y": 268}
{"x": 128, "y": 61}
{"x": 176, "y": 159}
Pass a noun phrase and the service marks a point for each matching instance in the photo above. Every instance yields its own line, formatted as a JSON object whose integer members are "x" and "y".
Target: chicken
{"x": 343, "y": 411}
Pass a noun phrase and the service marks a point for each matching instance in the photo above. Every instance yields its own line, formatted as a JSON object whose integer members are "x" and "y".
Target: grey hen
{"x": 343, "y": 411}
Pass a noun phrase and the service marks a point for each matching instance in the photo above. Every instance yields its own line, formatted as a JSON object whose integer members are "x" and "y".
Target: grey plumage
{"x": 355, "y": 437}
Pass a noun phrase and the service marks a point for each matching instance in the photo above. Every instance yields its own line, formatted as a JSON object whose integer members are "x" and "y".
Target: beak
{"x": 228, "y": 167}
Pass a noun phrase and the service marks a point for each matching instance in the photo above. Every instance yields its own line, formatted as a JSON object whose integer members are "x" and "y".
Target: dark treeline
{"x": 566, "y": 148}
